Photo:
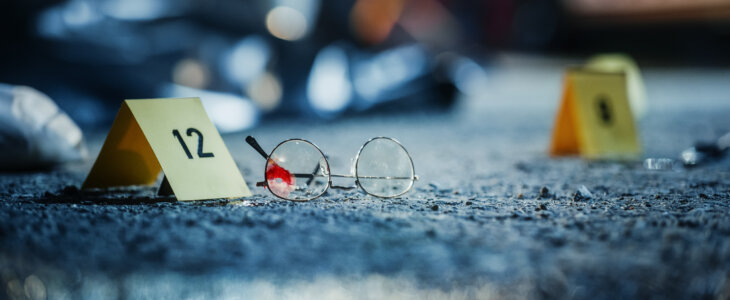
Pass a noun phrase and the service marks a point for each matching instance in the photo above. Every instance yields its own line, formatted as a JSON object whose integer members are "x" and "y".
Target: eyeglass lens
{"x": 297, "y": 170}
{"x": 384, "y": 168}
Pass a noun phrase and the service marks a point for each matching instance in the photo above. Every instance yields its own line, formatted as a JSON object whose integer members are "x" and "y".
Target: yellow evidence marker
{"x": 172, "y": 135}
{"x": 594, "y": 119}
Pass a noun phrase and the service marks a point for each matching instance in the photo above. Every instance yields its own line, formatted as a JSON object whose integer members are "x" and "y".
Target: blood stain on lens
{"x": 281, "y": 181}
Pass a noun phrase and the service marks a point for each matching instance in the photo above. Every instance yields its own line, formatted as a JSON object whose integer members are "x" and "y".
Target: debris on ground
{"x": 582, "y": 194}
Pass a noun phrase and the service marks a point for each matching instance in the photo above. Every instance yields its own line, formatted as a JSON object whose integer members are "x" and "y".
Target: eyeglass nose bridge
{"x": 339, "y": 187}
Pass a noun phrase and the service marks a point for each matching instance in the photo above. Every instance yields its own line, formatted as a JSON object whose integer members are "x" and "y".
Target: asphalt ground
{"x": 492, "y": 216}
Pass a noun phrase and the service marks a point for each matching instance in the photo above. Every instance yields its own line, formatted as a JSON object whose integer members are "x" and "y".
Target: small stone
{"x": 582, "y": 194}
{"x": 435, "y": 207}
{"x": 544, "y": 193}
{"x": 585, "y": 191}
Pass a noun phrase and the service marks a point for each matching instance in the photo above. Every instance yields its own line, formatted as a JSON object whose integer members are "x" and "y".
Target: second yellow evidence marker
{"x": 594, "y": 119}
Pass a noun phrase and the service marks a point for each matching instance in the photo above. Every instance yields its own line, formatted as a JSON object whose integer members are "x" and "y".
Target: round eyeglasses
{"x": 297, "y": 170}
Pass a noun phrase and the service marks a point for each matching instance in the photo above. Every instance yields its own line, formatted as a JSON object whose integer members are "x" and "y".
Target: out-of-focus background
{"x": 253, "y": 61}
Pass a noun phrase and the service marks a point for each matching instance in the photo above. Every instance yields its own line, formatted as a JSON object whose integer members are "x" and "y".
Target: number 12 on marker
{"x": 190, "y": 132}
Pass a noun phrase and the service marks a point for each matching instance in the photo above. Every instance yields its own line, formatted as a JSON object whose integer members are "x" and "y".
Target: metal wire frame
{"x": 252, "y": 142}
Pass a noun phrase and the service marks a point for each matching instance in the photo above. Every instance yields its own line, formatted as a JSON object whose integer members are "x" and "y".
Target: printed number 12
{"x": 190, "y": 132}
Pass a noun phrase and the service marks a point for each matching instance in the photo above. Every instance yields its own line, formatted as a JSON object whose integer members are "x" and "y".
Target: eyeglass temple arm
{"x": 255, "y": 145}
{"x": 337, "y": 187}
{"x": 314, "y": 172}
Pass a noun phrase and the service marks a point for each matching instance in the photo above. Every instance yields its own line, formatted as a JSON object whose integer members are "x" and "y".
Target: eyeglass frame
{"x": 254, "y": 144}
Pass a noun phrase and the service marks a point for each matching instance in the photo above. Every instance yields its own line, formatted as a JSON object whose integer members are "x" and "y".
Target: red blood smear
{"x": 274, "y": 171}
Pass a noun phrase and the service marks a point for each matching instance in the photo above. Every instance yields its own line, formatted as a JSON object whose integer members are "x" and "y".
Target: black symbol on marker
{"x": 604, "y": 110}
{"x": 190, "y": 132}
